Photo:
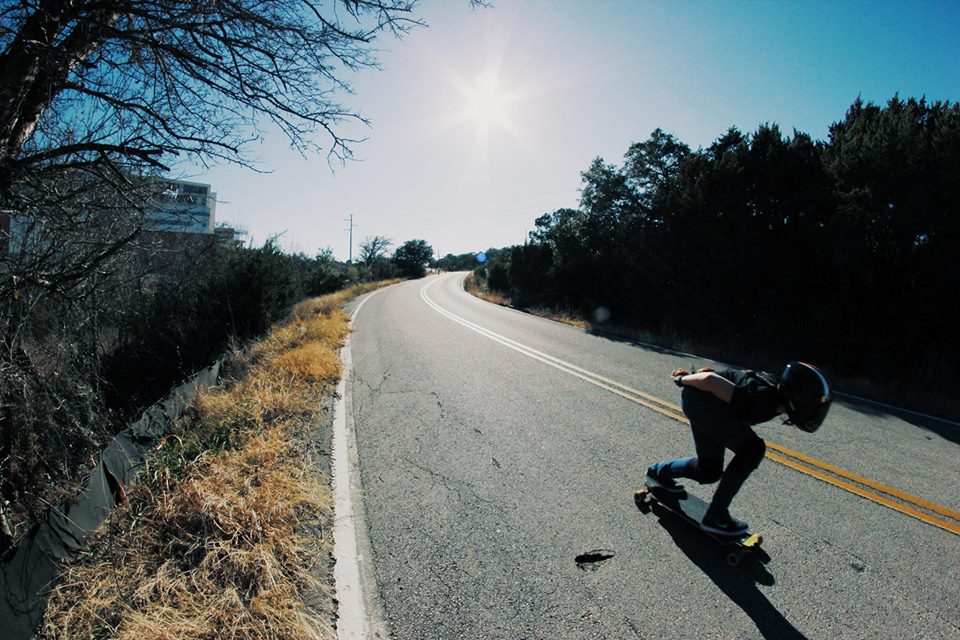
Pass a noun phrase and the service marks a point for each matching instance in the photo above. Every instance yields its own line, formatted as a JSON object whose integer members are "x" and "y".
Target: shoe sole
{"x": 723, "y": 532}
{"x": 653, "y": 483}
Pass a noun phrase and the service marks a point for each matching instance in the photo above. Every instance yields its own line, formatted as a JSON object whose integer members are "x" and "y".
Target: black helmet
{"x": 806, "y": 395}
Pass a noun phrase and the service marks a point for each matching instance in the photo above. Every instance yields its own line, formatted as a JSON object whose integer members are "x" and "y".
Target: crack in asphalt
{"x": 446, "y": 482}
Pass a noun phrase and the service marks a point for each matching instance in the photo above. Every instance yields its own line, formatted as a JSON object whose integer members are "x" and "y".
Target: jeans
{"x": 715, "y": 428}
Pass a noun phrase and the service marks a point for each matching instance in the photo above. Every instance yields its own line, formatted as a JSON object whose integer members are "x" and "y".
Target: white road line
{"x": 359, "y": 613}
{"x": 673, "y": 411}
{"x": 849, "y": 397}
{"x": 588, "y": 376}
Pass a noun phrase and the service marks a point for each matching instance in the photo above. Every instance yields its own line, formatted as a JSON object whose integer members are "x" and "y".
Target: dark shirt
{"x": 755, "y": 398}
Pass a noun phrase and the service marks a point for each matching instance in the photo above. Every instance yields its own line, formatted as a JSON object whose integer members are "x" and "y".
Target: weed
{"x": 229, "y": 533}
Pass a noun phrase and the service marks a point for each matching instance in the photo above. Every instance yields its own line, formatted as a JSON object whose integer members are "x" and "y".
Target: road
{"x": 496, "y": 448}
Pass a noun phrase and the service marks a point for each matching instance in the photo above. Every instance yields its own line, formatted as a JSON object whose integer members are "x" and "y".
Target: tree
{"x": 499, "y": 278}
{"x": 412, "y": 258}
{"x": 373, "y": 248}
{"x": 324, "y": 274}
{"x": 97, "y": 97}
{"x": 650, "y": 165}
{"x": 374, "y": 264}
{"x": 605, "y": 194}
{"x": 462, "y": 262}
{"x": 145, "y": 80}
{"x": 530, "y": 271}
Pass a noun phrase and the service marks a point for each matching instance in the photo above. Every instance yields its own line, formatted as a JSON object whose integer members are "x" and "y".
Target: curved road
{"x": 496, "y": 449}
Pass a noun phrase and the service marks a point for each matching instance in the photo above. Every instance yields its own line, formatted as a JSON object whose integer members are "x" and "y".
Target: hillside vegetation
{"x": 78, "y": 369}
{"x": 229, "y": 535}
{"x": 770, "y": 246}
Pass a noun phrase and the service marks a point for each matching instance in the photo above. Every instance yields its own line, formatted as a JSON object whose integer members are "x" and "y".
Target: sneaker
{"x": 669, "y": 485}
{"x": 723, "y": 524}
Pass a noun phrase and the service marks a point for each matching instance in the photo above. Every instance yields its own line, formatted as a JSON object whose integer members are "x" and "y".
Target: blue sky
{"x": 484, "y": 120}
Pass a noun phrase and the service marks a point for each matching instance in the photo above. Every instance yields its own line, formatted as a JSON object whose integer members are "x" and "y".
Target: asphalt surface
{"x": 492, "y": 458}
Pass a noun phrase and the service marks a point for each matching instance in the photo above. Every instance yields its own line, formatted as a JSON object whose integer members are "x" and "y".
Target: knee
{"x": 753, "y": 452}
{"x": 708, "y": 471}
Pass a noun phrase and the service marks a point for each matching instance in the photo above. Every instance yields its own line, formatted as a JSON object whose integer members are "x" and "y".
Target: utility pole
{"x": 350, "y": 250}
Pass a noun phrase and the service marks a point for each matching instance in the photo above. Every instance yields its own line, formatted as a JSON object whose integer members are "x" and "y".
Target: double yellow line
{"x": 895, "y": 499}
{"x": 864, "y": 487}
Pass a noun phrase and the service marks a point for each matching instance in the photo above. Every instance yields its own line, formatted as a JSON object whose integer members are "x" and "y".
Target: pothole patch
{"x": 592, "y": 560}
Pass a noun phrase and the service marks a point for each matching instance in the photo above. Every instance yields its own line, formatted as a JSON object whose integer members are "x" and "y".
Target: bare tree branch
{"x": 181, "y": 76}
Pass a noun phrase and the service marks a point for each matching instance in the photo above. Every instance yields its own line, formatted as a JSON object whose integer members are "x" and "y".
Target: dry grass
{"x": 221, "y": 553}
{"x": 566, "y": 317}
{"x": 480, "y": 290}
{"x": 227, "y": 536}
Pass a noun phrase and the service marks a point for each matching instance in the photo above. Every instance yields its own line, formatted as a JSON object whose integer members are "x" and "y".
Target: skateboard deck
{"x": 691, "y": 510}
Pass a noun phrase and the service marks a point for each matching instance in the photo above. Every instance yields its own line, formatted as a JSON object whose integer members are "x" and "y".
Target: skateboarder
{"x": 722, "y": 406}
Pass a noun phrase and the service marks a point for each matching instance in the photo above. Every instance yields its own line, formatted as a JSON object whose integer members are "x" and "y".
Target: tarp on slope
{"x": 33, "y": 567}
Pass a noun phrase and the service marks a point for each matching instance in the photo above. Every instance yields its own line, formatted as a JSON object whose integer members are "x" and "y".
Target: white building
{"x": 184, "y": 207}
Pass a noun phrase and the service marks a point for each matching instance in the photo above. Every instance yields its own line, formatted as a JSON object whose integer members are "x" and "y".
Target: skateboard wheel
{"x": 734, "y": 558}
{"x": 753, "y": 541}
{"x": 643, "y": 500}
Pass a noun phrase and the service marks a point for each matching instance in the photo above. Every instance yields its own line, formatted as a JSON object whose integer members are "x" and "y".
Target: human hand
{"x": 677, "y": 376}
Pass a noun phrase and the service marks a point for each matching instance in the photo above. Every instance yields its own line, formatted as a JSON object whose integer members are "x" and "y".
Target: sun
{"x": 485, "y": 103}
{"x": 486, "y": 106}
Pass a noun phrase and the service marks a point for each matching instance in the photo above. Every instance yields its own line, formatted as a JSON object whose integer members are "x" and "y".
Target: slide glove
{"x": 677, "y": 376}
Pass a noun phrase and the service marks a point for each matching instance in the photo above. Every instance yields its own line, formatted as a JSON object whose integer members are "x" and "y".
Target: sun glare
{"x": 489, "y": 107}
{"x": 485, "y": 103}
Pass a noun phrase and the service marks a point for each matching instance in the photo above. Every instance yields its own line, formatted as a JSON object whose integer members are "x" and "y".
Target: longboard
{"x": 691, "y": 510}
